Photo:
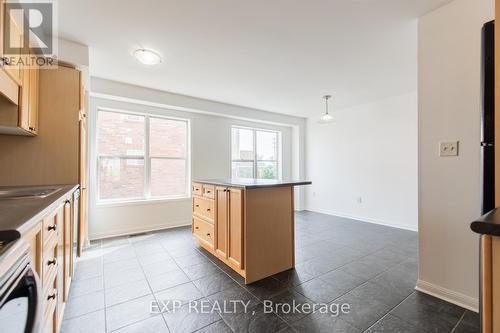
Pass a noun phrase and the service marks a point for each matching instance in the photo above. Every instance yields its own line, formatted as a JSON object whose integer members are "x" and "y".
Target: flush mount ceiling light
{"x": 326, "y": 118}
{"x": 147, "y": 57}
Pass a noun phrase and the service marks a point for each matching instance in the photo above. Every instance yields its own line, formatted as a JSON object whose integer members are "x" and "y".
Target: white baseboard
{"x": 138, "y": 230}
{"x": 365, "y": 219}
{"x": 451, "y": 296}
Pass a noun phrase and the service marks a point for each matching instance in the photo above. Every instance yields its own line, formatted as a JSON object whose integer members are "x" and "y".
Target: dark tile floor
{"x": 370, "y": 267}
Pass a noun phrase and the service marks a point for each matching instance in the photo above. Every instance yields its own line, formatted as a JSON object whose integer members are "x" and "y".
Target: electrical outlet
{"x": 360, "y": 200}
{"x": 448, "y": 148}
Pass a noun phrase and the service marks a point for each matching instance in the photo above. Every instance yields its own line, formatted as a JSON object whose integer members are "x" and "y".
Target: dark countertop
{"x": 488, "y": 224}
{"x": 253, "y": 183}
{"x": 22, "y": 214}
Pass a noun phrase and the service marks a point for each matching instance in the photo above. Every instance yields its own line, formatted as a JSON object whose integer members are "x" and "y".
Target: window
{"x": 141, "y": 157}
{"x": 255, "y": 153}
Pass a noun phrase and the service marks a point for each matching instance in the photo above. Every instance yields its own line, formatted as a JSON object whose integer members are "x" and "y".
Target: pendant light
{"x": 326, "y": 118}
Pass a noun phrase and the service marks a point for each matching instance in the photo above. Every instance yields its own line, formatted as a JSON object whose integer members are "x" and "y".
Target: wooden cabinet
{"x": 23, "y": 111}
{"x": 253, "y": 226}
{"x": 83, "y": 171}
{"x": 67, "y": 248}
{"x": 218, "y": 222}
{"x": 204, "y": 208}
{"x": 34, "y": 239}
{"x": 235, "y": 226}
{"x": 52, "y": 256}
{"x": 28, "y": 106}
{"x": 18, "y": 83}
{"x": 204, "y": 231}
{"x": 13, "y": 67}
{"x": 221, "y": 203}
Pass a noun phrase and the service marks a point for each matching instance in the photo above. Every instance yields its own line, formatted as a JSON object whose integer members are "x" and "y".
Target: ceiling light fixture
{"x": 147, "y": 57}
{"x": 326, "y": 118}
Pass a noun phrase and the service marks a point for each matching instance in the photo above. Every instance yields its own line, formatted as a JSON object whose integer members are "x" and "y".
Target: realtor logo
{"x": 29, "y": 33}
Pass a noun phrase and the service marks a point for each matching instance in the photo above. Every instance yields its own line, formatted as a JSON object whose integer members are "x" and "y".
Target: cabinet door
{"x": 221, "y": 220}
{"x": 60, "y": 264}
{"x": 33, "y": 101}
{"x": 14, "y": 69}
{"x": 68, "y": 248}
{"x": 235, "y": 226}
{"x": 24, "y": 100}
{"x": 28, "y": 106}
{"x": 34, "y": 239}
{"x": 83, "y": 142}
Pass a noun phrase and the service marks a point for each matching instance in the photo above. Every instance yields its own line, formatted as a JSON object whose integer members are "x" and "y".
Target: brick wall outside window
{"x": 121, "y": 142}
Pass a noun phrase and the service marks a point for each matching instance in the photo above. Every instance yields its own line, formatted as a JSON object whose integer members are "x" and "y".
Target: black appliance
{"x": 20, "y": 303}
{"x": 488, "y": 118}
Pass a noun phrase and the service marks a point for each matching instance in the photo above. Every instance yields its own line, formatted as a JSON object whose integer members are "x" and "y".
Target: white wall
{"x": 449, "y": 109}
{"x": 210, "y": 152}
{"x": 369, "y": 152}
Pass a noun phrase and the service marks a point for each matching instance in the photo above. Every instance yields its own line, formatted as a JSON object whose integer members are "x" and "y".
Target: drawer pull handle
{"x": 53, "y": 296}
{"x": 197, "y": 205}
{"x": 208, "y": 234}
{"x": 51, "y": 227}
{"x": 208, "y": 209}
{"x": 197, "y": 228}
{"x": 51, "y": 262}
{"x": 209, "y": 192}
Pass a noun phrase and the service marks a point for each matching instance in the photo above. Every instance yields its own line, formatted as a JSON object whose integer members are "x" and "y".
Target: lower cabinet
{"x": 52, "y": 256}
{"x": 235, "y": 226}
{"x": 220, "y": 232}
{"x": 221, "y": 212}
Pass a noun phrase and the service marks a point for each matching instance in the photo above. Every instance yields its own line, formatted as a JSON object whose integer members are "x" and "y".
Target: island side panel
{"x": 496, "y": 283}
{"x": 269, "y": 232}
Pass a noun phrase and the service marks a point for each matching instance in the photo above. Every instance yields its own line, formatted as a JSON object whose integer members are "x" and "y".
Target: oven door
{"x": 20, "y": 303}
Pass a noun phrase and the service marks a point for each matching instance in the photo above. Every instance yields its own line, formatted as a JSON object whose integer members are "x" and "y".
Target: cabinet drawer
{"x": 49, "y": 266}
{"x": 49, "y": 229}
{"x": 203, "y": 208}
{"x": 203, "y": 230}
{"x": 197, "y": 189}
{"x": 209, "y": 191}
{"x": 50, "y": 313}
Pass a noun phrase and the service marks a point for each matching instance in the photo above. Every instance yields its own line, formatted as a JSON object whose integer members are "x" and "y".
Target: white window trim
{"x": 255, "y": 161}
{"x": 147, "y": 199}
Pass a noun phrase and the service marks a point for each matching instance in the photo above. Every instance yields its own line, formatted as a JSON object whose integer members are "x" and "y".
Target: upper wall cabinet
{"x": 18, "y": 84}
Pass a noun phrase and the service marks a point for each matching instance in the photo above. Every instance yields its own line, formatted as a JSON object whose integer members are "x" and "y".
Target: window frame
{"x": 255, "y": 161}
{"x": 146, "y": 198}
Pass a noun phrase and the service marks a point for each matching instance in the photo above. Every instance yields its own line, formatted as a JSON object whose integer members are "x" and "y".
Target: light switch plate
{"x": 448, "y": 148}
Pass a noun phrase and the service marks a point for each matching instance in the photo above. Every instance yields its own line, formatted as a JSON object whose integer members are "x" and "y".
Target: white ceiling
{"x": 274, "y": 55}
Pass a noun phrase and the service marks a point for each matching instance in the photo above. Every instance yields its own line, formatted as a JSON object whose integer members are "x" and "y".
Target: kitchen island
{"x": 248, "y": 224}
{"x": 488, "y": 227}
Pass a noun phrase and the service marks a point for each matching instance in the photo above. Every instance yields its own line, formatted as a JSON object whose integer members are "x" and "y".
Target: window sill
{"x": 134, "y": 202}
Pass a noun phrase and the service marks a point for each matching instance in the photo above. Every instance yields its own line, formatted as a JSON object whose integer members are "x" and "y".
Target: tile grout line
{"x": 364, "y": 283}
{"x": 458, "y": 322}
{"x": 190, "y": 281}
{"x": 142, "y": 270}
{"x": 389, "y": 313}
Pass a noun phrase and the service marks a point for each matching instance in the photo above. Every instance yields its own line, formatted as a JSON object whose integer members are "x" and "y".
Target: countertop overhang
{"x": 253, "y": 183}
{"x": 488, "y": 224}
{"x": 21, "y": 214}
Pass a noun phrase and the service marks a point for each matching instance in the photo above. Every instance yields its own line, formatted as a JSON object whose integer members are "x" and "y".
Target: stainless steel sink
{"x": 26, "y": 193}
